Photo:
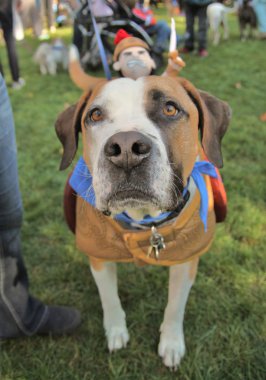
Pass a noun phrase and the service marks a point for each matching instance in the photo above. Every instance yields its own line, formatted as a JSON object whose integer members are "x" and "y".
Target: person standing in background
{"x": 20, "y": 313}
{"x": 18, "y": 29}
{"x": 38, "y": 15}
{"x": 6, "y": 21}
{"x": 159, "y": 29}
{"x": 30, "y": 13}
{"x": 196, "y": 9}
{"x": 48, "y": 21}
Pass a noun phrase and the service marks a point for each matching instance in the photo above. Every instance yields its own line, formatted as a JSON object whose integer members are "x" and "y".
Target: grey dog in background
{"x": 50, "y": 56}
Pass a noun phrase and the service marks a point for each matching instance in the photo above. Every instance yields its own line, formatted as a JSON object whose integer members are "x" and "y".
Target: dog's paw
{"x": 117, "y": 338}
{"x": 171, "y": 349}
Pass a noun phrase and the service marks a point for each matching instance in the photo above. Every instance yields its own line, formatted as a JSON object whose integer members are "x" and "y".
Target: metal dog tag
{"x": 157, "y": 243}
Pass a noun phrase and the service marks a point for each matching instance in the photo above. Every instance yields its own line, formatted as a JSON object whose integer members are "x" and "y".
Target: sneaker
{"x": 19, "y": 84}
{"x": 185, "y": 50}
{"x": 59, "y": 320}
{"x": 44, "y": 36}
{"x": 203, "y": 53}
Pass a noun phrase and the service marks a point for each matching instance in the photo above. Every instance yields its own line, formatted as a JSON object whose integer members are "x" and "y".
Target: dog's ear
{"x": 214, "y": 118}
{"x": 212, "y": 132}
{"x": 68, "y": 126}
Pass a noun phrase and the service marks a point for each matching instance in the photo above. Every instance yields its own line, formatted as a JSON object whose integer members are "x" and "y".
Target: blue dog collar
{"x": 81, "y": 182}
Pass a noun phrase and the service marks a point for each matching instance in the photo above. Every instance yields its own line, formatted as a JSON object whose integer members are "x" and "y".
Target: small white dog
{"x": 49, "y": 56}
{"x": 217, "y": 16}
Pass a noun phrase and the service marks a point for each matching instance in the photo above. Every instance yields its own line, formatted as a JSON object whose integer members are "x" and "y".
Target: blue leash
{"x": 100, "y": 44}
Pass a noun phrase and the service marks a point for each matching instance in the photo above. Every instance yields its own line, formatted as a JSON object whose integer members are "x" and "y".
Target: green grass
{"x": 225, "y": 314}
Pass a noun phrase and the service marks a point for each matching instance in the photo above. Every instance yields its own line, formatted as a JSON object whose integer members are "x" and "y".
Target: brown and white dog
{"x": 140, "y": 143}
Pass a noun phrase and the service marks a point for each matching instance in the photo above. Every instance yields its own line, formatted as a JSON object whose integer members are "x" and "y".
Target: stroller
{"x": 110, "y": 16}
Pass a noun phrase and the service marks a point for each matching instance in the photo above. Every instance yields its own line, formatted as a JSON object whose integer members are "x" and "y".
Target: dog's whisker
{"x": 174, "y": 174}
{"x": 86, "y": 174}
{"x": 180, "y": 180}
{"x": 87, "y": 195}
{"x": 176, "y": 192}
{"x": 84, "y": 180}
{"x": 88, "y": 191}
{"x": 84, "y": 165}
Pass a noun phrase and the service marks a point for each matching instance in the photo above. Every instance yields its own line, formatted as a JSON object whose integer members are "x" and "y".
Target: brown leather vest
{"x": 102, "y": 238}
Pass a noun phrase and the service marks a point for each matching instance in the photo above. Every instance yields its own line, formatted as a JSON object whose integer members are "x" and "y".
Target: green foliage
{"x": 225, "y": 315}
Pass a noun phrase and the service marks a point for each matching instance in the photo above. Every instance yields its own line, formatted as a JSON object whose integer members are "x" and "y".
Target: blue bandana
{"x": 203, "y": 167}
{"x": 81, "y": 182}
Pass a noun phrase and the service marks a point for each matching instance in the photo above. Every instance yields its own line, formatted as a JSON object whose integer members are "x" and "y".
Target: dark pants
{"x": 47, "y": 13}
{"x": 193, "y": 11}
{"x": 162, "y": 32}
{"x": 77, "y": 37}
{"x": 6, "y": 20}
{"x": 19, "y": 312}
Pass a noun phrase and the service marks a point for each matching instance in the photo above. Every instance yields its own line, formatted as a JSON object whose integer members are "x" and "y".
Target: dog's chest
{"x": 58, "y": 54}
{"x": 103, "y": 238}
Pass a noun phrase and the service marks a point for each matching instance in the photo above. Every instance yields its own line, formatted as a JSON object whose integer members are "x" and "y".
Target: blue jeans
{"x": 20, "y": 313}
{"x": 162, "y": 32}
{"x": 6, "y": 21}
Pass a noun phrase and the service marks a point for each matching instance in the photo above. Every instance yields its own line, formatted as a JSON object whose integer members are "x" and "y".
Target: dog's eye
{"x": 96, "y": 115}
{"x": 170, "y": 109}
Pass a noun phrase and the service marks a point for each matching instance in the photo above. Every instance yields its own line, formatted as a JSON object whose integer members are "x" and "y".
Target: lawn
{"x": 224, "y": 325}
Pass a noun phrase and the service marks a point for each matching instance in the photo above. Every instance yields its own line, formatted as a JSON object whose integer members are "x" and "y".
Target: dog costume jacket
{"x": 184, "y": 236}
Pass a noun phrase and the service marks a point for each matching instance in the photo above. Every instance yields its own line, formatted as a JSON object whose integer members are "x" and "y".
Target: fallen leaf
{"x": 238, "y": 85}
{"x": 263, "y": 116}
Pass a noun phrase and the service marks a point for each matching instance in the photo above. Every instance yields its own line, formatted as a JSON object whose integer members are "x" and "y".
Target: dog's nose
{"x": 127, "y": 149}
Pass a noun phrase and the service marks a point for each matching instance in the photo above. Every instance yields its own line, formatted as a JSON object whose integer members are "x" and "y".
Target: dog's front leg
{"x": 43, "y": 69}
{"x": 226, "y": 28}
{"x": 216, "y": 36}
{"x": 172, "y": 345}
{"x": 114, "y": 318}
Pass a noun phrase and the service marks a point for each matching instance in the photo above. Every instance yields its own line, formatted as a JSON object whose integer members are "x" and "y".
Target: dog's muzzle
{"x": 127, "y": 150}
{"x": 133, "y": 172}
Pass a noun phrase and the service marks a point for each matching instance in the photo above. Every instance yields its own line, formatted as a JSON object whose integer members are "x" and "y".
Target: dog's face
{"x": 131, "y": 132}
{"x": 140, "y": 139}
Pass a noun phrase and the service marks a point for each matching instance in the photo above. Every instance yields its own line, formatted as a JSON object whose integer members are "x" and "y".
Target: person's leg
{"x": 20, "y": 313}
{"x": 50, "y": 14}
{"x": 7, "y": 26}
{"x": 1, "y": 68}
{"x": 162, "y": 35}
{"x": 44, "y": 13}
{"x": 202, "y": 34}
{"x": 77, "y": 37}
{"x": 190, "y": 19}
{"x": 36, "y": 19}
{"x": 42, "y": 6}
